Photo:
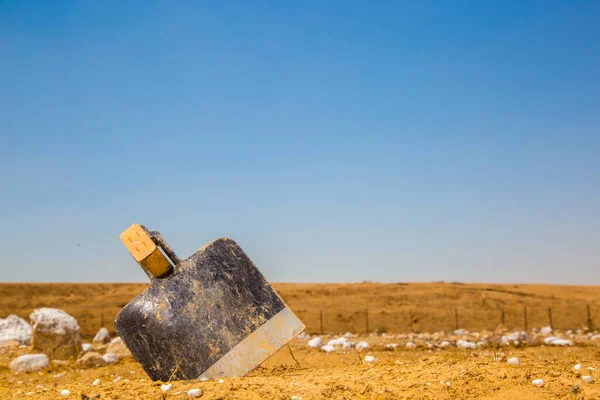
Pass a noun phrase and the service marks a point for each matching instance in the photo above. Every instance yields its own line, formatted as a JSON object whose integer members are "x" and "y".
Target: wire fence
{"x": 419, "y": 320}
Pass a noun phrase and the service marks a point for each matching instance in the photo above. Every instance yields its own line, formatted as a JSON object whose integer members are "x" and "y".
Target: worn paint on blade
{"x": 257, "y": 347}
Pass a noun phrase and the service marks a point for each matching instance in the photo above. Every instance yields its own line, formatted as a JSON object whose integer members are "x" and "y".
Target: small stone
{"x": 587, "y": 379}
{"x": 60, "y": 375}
{"x": 577, "y": 367}
{"x": 55, "y": 333}
{"x": 117, "y": 379}
{"x": 30, "y": 363}
{"x": 91, "y": 360}
{"x": 410, "y": 345}
{"x": 370, "y": 359}
{"x": 96, "y": 382}
{"x": 118, "y": 347}
{"x": 85, "y": 347}
{"x": 315, "y": 343}
{"x": 110, "y": 358}
{"x": 513, "y": 361}
{"x": 166, "y": 388}
{"x": 221, "y": 381}
{"x": 65, "y": 393}
{"x": 203, "y": 379}
{"x": 14, "y": 330}
{"x": 194, "y": 393}
{"x": 362, "y": 346}
{"x": 538, "y": 382}
{"x": 328, "y": 348}
{"x": 101, "y": 338}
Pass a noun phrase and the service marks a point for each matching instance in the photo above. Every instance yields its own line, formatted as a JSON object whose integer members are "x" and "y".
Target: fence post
{"x": 321, "y": 320}
{"x": 502, "y": 316}
{"x": 525, "y": 317}
{"x": 456, "y": 318}
{"x": 589, "y": 321}
{"x": 550, "y": 317}
{"x": 412, "y": 327}
{"x": 367, "y": 320}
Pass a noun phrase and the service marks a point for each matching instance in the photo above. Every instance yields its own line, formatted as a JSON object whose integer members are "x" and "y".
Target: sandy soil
{"x": 398, "y": 374}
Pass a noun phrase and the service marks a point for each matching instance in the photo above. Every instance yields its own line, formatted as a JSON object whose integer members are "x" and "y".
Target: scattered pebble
{"x": 166, "y": 388}
{"x": 60, "y": 375}
{"x": 577, "y": 367}
{"x": 513, "y": 361}
{"x": 328, "y": 348}
{"x": 117, "y": 379}
{"x": 315, "y": 343}
{"x": 362, "y": 346}
{"x": 538, "y": 382}
{"x": 410, "y": 345}
{"x": 194, "y": 393}
{"x": 221, "y": 381}
{"x": 203, "y": 379}
{"x": 587, "y": 379}
{"x": 65, "y": 393}
{"x": 30, "y": 363}
{"x": 110, "y": 358}
{"x": 591, "y": 368}
{"x": 96, "y": 382}
{"x": 370, "y": 359}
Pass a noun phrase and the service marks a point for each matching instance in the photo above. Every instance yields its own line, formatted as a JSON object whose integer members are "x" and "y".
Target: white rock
{"x": 362, "y": 346}
{"x": 555, "y": 341}
{"x": 102, "y": 337}
{"x": 513, "y": 361}
{"x": 110, "y": 358}
{"x": 587, "y": 379}
{"x": 546, "y": 330}
{"x": 203, "y": 379}
{"x": 444, "y": 343}
{"x": 459, "y": 332}
{"x": 328, "y": 348}
{"x": 85, "y": 347}
{"x": 391, "y": 346}
{"x": 221, "y": 381}
{"x": 591, "y": 368}
{"x": 55, "y": 333}
{"x": 347, "y": 345}
{"x": 466, "y": 344}
{"x": 194, "y": 393}
{"x": 30, "y": 363}
{"x": 15, "y": 328}
{"x": 448, "y": 384}
{"x": 370, "y": 359}
{"x": 315, "y": 343}
{"x": 410, "y": 345}
{"x": 65, "y": 393}
{"x": 96, "y": 382}
{"x": 117, "y": 379}
{"x": 337, "y": 342}
{"x": 538, "y": 382}
{"x": 166, "y": 388}
{"x": 577, "y": 367}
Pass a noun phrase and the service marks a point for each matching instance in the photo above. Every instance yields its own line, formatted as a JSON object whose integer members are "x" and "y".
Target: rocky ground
{"x": 391, "y": 367}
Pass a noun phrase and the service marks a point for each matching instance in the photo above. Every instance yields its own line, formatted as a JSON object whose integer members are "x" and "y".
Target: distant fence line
{"x": 366, "y": 321}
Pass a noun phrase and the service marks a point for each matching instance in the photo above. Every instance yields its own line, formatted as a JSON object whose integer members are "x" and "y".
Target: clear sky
{"x": 334, "y": 141}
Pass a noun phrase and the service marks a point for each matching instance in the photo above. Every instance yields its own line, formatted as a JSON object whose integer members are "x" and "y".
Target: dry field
{"x": 397, "y": 374}
{"x": 432, "y": 305}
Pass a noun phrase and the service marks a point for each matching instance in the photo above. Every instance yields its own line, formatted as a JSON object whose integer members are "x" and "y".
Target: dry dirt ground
{"x": 399, "y": 374}
{"x": 432, "y": 305}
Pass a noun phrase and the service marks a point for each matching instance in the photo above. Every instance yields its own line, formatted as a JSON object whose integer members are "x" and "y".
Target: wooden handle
{"x": 145, "y": 251}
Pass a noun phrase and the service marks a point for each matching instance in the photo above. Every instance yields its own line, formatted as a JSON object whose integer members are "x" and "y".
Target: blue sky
{"x": 334, "y": 141}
